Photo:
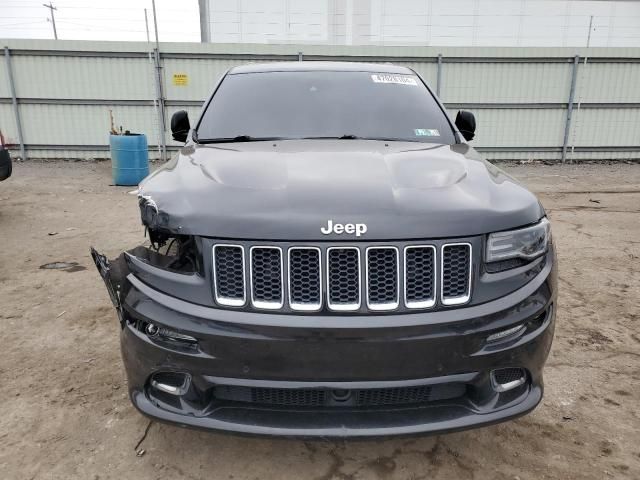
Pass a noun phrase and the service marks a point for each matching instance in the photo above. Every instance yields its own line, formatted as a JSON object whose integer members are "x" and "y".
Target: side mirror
{"x": 180, "y": 126}
{"x": 466, "y": 123}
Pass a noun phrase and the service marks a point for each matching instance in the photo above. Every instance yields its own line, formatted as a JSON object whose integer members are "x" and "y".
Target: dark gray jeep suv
{"x": 329, "y": 257}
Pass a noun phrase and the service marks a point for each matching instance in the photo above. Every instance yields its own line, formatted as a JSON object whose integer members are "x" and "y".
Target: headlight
{"x": 527, "y": 243}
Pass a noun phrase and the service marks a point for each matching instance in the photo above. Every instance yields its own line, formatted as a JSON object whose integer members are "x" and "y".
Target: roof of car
{"x": 312, "y": 66}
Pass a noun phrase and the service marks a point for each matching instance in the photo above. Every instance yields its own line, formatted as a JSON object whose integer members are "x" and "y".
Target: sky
{"x": 614, "y": 23}
{"x": 178, "y": 20}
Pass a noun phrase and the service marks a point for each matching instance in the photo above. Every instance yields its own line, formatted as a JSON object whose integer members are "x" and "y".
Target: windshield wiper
{"x": 248, "y": 138}
{"x": 356, "y": 137}
{"x": 347, "y": 136}
{"x": 239, "y": 138}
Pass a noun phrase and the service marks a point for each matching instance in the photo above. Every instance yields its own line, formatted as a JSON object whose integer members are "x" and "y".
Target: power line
{"x": 19, "y": 24}
{"x": 88, "y": 26}
{"x": 84, "y": 7}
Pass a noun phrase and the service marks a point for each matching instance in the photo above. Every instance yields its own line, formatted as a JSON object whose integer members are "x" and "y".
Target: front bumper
{"x": 440, "y": 351}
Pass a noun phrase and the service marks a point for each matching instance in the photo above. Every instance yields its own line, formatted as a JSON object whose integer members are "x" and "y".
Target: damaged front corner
{"x": 113, "y": 274}
{"x": 180, "y": 255}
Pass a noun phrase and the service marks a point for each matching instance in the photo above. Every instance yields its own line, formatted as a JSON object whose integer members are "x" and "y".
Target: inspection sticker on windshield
{"x": 399, "y": 79}
{"x": 427, "y": 132}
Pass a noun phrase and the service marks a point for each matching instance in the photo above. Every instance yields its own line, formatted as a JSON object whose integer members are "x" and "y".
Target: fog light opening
{"x": 151, "y": 330}
{"x": 508, "y": 333}
{"x": 505, "y": 379}
{"x": 172, "y": 383}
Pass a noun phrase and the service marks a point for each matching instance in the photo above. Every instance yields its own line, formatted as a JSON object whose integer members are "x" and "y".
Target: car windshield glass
{"x": 324, "y": 104}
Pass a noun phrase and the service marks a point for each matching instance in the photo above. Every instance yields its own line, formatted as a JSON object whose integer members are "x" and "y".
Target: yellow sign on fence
{"x": 180, "y": 79}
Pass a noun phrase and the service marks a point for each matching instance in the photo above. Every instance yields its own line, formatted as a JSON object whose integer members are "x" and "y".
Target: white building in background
{"x": 554, "y": 23}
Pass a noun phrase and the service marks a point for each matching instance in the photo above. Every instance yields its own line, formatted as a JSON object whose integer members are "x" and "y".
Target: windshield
{"x": 324, "y": 104}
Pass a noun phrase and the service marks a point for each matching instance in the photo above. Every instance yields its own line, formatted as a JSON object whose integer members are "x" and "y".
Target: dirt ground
{"x": 65, "y": 413}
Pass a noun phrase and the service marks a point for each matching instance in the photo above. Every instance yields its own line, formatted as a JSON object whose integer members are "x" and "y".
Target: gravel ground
{"x": 63, "y": 396}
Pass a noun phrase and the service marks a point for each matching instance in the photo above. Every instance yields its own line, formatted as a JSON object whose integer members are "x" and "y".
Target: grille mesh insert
{"x": 506, "y": 375}
{"x": 229, "y": 272}
{"x": 455, "y": 271}
{"x": 266, "y": 275}
{"x": 304, "y": 277}
{"x": 344, "y": 277}
{"x": 322, "y": 397}
{"x": 382, "y": 276}
{"x": 393, "y": 396}
{"x": 420, "y": 279}
{"x": 288, "y": 397}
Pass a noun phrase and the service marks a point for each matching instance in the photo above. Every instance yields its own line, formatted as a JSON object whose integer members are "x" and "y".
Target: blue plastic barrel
{"x": 129, "y": 158}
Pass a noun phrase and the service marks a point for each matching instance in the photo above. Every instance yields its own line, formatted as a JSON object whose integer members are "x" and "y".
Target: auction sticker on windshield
{"x": 399, "y": 79}
{"x": 427, "y": 132}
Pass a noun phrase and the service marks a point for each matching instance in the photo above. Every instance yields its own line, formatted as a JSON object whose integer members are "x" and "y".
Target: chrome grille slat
{"x": 455, "y": 273}
{"x": 420, "y": 276}
{"x": 337, "y": 277}
{"x": 382, "y": 278}
{"x": 305, "y": 278}
{"x": 343, "y": 278}
{"x": 267, "y": 277}
{"x": 229, "y": 281}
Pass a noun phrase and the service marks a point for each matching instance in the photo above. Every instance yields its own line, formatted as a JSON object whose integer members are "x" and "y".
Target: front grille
{"x": 324, "y": 397}
{"x": 375, "y": 278}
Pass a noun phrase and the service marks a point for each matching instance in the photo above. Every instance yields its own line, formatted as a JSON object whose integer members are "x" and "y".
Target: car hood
{"x": 288, "y": 190}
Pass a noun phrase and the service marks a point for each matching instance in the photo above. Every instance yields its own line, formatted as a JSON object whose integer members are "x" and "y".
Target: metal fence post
{"x": 14, "y": 101}
{"x": 160, "y": 100}
{"x": 439, "y": 75}
{"x": 572, "y": 92}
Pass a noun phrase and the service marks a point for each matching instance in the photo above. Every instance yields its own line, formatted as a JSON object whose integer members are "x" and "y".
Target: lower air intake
{"x": 321, "y": 397}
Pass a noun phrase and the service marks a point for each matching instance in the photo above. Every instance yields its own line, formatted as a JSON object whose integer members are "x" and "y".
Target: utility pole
{"x": 146, "y": 23}
{"x": 155, "y": 22}
{"x": 590, "y": 27}
{"x": 53, "y": 18}
{"x": 159, "y": 91}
